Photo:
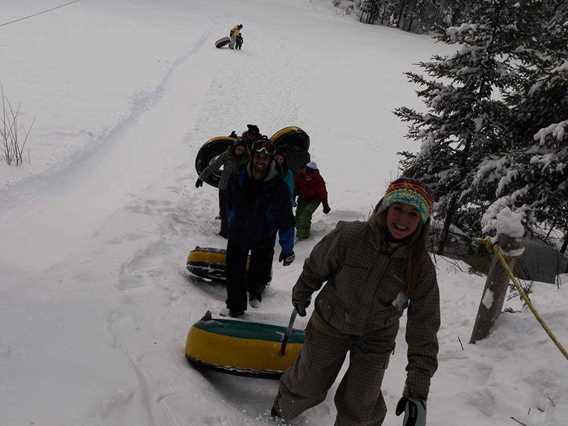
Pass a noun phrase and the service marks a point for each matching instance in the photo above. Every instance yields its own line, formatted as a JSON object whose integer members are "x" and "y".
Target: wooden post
{"x": 495, "y": 289}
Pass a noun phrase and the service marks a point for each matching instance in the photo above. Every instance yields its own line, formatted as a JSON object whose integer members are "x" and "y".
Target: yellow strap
{"x": 499, "y": 253}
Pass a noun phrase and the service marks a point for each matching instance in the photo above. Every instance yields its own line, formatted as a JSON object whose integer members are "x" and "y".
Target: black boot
{"x": 275, "y": 410}
{"x": 275, "y": 413}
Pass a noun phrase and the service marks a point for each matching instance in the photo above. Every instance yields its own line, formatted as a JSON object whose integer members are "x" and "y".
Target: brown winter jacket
{"x": 364, "y": 275}
{"x": 235, "y": 31}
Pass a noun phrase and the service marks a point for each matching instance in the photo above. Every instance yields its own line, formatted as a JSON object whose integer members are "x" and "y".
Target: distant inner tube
{"x": 209, "y": 263}
{"x": 222, "y": 42}
{"x": 295, "y": 143}
{"x": 208, "y": 153}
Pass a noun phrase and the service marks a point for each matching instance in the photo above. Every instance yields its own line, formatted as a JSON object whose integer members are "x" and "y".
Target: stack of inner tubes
{"x": 292, "y": 141}
{"x": 295, "y": 144}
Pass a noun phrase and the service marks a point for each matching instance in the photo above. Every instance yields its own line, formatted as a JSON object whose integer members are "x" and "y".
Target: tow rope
{"x": 516, "y": 284}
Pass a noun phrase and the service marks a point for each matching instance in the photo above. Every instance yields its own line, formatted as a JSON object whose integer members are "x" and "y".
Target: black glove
{"x": 326, "y": 209}
{"x": 414, "y": 411}
{"x": 301, "y": 307}
{"x": 286, "y": 259}
{"x": 198, "y": 183}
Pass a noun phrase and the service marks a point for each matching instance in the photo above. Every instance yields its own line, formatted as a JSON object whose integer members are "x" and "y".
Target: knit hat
{"x": 312, "y": 165}
{"x": 239, "y": 142}
{"x": 412, "y": 192}
{"x": 252, "y": 133}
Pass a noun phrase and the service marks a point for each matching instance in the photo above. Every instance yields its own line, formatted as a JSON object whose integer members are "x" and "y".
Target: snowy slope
{"x": 94, "y": 300}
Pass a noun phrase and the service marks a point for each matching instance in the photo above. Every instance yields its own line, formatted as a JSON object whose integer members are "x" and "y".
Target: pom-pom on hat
{"x": 412, "y": 192}
{"x": 312, "y": 165}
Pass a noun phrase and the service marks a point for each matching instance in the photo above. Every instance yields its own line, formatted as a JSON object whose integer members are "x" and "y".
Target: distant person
{"x": 370, "y": 273}
{"x": 234, "y": 34}
{"x": 259, "y": 207}
{"x": 239, "y": 42}
{"x": 231, "y": 160}
{"x": 311, "y": 191}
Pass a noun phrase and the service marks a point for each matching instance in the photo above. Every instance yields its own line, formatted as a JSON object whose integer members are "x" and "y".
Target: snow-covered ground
{"x": 94, "y": 301}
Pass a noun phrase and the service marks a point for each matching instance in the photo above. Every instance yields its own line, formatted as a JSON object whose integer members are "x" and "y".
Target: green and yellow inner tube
{"x": 242, "y": 347}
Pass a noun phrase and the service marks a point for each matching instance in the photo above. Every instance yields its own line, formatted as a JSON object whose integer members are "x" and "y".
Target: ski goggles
{"x": 263, "y": 147}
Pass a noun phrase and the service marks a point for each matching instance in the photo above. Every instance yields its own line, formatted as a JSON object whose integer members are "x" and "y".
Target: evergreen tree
{"x": 379, "y": 11}
{"x": 466, "y": 117}
{"x": 413, "y": 15}
{"x": 533, "y": 174}
{"x": 495, "y": 132}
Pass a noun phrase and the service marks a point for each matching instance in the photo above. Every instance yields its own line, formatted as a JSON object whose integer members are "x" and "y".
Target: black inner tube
{"x": 208, "y": 153}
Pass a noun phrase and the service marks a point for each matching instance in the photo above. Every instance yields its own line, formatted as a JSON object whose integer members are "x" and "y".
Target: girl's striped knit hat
{"x": 409, "y": 191}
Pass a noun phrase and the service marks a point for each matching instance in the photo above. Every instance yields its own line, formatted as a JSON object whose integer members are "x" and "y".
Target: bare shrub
{"x": 11, "y": 131}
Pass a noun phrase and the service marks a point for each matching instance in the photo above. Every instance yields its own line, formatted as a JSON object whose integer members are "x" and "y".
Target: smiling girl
{"x": 372, "y": 272}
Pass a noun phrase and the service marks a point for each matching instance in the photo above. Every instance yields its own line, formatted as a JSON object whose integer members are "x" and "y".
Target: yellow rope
{"x": 499, "y": 253}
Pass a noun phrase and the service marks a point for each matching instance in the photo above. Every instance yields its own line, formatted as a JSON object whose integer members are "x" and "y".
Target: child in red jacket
{"x": 311, "y": 191}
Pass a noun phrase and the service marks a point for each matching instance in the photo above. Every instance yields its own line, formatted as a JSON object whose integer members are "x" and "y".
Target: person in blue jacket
{"x": 286, "y": 173}
{"x": 259, "y": 207}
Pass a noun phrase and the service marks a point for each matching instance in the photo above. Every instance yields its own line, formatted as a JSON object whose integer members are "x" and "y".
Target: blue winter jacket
{"x": 259, "y": 209}
{"x": 289, "y": 181}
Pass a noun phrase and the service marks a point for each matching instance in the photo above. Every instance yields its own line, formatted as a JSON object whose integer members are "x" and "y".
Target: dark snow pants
{"x": 358, "y": 399}
{"x": 239, "y": 281}
{"x": 304, "y": 213}
{"x": 223, "y": 212}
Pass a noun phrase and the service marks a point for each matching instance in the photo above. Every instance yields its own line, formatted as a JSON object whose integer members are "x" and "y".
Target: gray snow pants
{"x": 358, "y": 399}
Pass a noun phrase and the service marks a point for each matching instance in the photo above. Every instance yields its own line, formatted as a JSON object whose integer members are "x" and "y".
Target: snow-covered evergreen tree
{"x": 494, "y": 130}
{"x": 533, "y": 174}
{"x": 467, "y": 117}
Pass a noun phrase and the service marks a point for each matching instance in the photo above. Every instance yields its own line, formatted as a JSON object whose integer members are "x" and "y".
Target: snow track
{"x": 133, "y": 154}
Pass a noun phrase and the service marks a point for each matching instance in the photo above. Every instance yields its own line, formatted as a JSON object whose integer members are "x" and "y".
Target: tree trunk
{"x": 447, "y": 222}
{"x": 452, "y": 206}
{"x": 548, "y": 234}
{"x": 383, "y": 14}
{"x": 409, "y": 23}
{"x": 403, "y": 5}
{"x": 456, "y": 16}
{"x": 564, "y": 244}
